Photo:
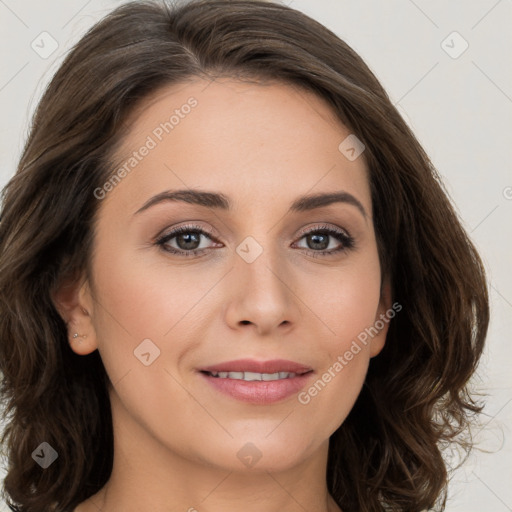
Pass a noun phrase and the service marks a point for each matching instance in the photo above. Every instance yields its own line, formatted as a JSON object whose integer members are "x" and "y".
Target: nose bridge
{"x": 261, "y": 293}
{"x": 260, "y": 265}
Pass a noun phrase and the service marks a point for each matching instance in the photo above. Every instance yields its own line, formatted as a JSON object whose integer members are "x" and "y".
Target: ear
{"x": 74, "y": 302}
{"x": 384, "y": 314}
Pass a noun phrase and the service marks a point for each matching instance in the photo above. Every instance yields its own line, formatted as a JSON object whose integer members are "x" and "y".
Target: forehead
{"x": 258, "y": 142}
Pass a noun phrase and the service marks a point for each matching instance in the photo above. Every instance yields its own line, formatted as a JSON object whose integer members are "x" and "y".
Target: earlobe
{"x": 81, "y": 344}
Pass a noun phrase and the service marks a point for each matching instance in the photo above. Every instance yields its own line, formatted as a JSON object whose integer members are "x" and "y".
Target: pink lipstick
{"x": 258, "y": 382}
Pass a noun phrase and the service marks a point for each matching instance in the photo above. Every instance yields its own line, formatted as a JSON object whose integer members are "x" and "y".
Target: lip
{"x": 252, "y": 365}
{"x": 259, "y": 392}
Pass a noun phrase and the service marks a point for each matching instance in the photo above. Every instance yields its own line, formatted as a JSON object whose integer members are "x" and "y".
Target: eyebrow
{"x": 220, "y": 201}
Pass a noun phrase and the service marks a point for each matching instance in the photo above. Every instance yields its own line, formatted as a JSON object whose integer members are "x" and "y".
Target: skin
{"x": 177, "y": 438}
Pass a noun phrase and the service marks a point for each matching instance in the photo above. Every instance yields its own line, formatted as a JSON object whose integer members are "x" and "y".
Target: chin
{"x": 260, "y": 453}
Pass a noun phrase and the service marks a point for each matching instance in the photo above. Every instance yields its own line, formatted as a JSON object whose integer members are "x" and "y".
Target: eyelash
{"x": 347, "y": 241}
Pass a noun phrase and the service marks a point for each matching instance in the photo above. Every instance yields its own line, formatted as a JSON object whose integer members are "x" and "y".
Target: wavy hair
{"x": 387, "y": 454}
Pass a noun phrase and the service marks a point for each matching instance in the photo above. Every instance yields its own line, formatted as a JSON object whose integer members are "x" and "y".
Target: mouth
{"x": 253, "y": 366}
{"x": 258, "y": 382}
{"x": 254, "y": 376}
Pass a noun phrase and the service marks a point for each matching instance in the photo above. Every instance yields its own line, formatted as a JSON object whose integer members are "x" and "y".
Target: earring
{"x": 76, "y": 335}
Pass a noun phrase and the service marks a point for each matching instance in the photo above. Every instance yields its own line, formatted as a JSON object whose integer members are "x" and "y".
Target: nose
{"x": 260, "y": 296}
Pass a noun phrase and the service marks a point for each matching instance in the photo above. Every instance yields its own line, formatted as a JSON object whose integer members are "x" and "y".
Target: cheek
{"x": 141, "y": 297}
{"x": 347, "y": 306}
{"x": 345, "y": 356}
{"x": 144, "y": 295}
{"x": 347, "y": 303}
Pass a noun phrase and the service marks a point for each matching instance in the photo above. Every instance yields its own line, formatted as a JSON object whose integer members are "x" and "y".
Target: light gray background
{"x": 460, "y": 109}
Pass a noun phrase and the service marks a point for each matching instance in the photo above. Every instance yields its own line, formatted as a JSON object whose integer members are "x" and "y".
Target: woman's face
{"x": 274, "y": 276}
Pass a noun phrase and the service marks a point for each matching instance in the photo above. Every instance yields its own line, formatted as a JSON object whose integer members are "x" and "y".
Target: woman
{"x": 230, "y": 278}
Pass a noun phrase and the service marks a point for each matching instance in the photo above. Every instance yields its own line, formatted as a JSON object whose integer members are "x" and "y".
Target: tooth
{"x": 270, "y": 376}
{"x": 252, "y": 376}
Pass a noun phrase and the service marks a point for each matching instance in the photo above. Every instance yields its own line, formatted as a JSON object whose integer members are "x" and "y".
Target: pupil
{"x": 188, "y": 238}
{"x": 315, "y": 240}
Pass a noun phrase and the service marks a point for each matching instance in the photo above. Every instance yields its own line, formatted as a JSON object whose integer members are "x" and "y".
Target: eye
{"x": 318, "y": 241}
{"x": 186, "y": 240}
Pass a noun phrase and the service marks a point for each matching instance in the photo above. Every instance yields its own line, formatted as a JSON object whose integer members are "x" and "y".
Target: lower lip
{"x": 259, "y": 391}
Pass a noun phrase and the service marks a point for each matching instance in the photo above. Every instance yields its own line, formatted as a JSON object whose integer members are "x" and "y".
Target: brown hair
{"x": 387, "y": 454}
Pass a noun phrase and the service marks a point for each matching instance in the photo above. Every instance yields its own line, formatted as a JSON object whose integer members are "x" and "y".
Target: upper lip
{"x": 251, "y": 365}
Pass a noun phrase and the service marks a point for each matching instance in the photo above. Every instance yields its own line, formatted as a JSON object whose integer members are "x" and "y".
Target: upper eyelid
{"x": 189, "y": 227}
{"x": 324, "y": 226}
